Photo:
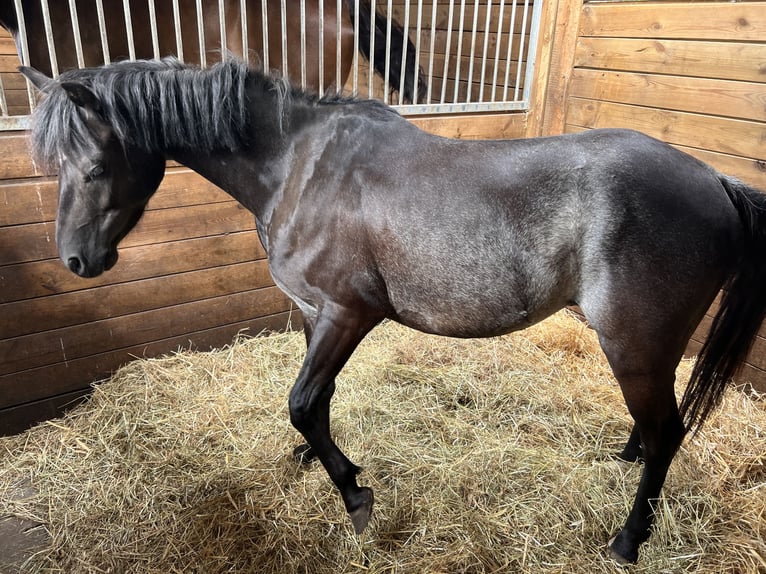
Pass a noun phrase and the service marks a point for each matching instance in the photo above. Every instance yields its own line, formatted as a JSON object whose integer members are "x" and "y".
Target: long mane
{"x": 150, "y": 104}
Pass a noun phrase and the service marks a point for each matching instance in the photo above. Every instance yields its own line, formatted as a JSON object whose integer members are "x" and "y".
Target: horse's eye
{"x": 96, "y": 172}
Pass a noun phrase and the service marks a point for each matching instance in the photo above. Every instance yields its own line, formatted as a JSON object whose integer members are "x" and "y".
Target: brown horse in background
{"x": 326, "y": 32}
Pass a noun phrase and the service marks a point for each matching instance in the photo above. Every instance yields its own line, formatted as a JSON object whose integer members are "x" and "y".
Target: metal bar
{"x": 76, "y": 34}
{"x": 405, "y": 38}
{"x": 24, "y": 50}
{"x": 284, "y": 39}
{"x": 153, "y": 26}
{"x": 321, "y": 46}
{"x": 303, "y": 44}
{"x": 460, "y": 108}
{"x": 497, "y": 48}
{"x": 473, "y": 49}
{"x": 15, "y": 123}
{"x": 129, "y": 29}
{"x": 265, "y": 34}
{"x": 416, "y": 71}
{"x": 222, "y": 29}
{"x": 177, "y": 25}
{"x": 458, "y": 63}
{"x": 355, "y": 64}
{"x": 484, "y": 51}
{"x": 509, "y": 52}
{"x": 447, "y": 49}
{"x": 338, "y": 32}
{"x": 521, "y": 50}
{"x": 3, "y": 102}
{"x": 387, "y": 68}
{"x": 371, "y": 69}
{"x": 431, "y": 51}
{"x": 534, "y": 31}
{"x": 243, "y": 23}
{"x": 201, "y": 35}
{"x": 49, "y": 37}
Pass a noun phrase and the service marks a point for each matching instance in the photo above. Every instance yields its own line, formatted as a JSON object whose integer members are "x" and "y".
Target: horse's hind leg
{"x": 335, "y": 335}
{"x": 646, "y": 374}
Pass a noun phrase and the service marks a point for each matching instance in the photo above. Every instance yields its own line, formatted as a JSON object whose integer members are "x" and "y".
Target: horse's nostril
{"x": 74, "y": 264}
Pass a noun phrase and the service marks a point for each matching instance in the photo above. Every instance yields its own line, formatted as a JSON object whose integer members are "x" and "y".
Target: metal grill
{"x": 473, "y": 55}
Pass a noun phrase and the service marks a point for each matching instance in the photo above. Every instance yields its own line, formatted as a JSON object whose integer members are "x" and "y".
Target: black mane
{"x": 160, "y": 105}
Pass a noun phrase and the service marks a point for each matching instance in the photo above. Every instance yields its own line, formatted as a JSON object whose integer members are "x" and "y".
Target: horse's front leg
{"x": 335, "y": 335}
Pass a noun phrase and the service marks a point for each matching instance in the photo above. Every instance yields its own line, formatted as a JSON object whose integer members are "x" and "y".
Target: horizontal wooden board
{"x": 85, "y": 306}
{"x": 35, "y": 200}
{"x": 16, "y": 162}
{"x": 19, "y": 418}
{"x": 77, "y": 374}
{"x": 745, "y": 100}
{"x": 730, "y": 136}
{"x": 704, "y": 59}
{"x": 41, "y": 278}
{"x": 63, "y": 345}
{"x": 24, "y": 243}
{"x": 751, "y": 171}
{"x": 690, "y": 20}
{"x": 478, "y": 126}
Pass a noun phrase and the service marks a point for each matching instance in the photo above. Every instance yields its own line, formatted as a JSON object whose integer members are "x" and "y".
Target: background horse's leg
{"x": 632, "y": 450}
{"x": 335, "y": 335}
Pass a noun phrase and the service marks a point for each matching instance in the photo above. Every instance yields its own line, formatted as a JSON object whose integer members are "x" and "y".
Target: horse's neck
{"x": 253, "y": 175}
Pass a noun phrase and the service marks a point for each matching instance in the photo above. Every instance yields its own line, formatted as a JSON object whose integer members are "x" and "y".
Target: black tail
{"x": 743, "y": 308}
{"x": 398, "y": 39}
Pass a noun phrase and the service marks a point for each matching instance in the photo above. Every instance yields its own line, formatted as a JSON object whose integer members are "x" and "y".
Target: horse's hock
{"x": 194, "y": 274}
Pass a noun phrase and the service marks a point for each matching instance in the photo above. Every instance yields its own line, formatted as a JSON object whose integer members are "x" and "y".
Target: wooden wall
{"x": 690, "y": 73}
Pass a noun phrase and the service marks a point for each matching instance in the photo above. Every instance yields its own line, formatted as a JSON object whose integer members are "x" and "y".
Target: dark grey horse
{"x": 365, "y": 217}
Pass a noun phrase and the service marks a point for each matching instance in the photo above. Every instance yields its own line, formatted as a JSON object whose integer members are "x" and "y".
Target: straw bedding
{"x": 488, "y": 455}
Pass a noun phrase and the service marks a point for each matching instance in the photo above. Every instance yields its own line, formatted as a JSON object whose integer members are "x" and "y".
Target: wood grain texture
{"x": 689, "y": 20}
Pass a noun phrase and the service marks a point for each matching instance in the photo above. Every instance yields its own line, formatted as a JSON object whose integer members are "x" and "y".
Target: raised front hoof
{"x": 304, "y": 454}
{"x": 621, "y": 551}
{"x": 360, "y": 509}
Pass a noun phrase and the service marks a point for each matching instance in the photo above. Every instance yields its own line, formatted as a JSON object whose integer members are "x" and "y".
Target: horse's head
{"x": 104, "y": 181}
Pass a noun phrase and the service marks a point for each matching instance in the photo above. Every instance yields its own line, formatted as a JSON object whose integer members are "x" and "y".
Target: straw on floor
{"x": 488, "y": 455}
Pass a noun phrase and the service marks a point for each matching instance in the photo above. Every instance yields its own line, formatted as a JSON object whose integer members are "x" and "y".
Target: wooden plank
{"x": 730, "y": 136}
{"x": 486, "y": 126}
{"x": 78, "y": 341}
{"x": 16, "y": 160}
{"x": 687, "y": 20}
{"x": 78, "y": 374}
{"x": 35, "y": 200}
{"x": 565, "y": 39}
{"x": 745, "y": 100}
{"x": 19, "y": 418}
{"x": 440, "y": 43}
{"x": 85, "y": 306}
{"x": 41, "y": 278}
{"x": 704, "y": 59}
{"x": 541, "y": 69}
{"x": 751, "y": 171}
{"x": 24, "y": 243}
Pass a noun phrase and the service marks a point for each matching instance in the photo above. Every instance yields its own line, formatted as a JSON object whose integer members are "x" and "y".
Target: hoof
{"x": 304, "y": 454}
{"x": 360, "y": 516}
{"x": 620, "y": 556}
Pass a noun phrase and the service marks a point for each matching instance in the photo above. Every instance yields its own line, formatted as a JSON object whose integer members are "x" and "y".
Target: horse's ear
{"x": 81, "y": 96}
{"x": 38, "y": 79}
